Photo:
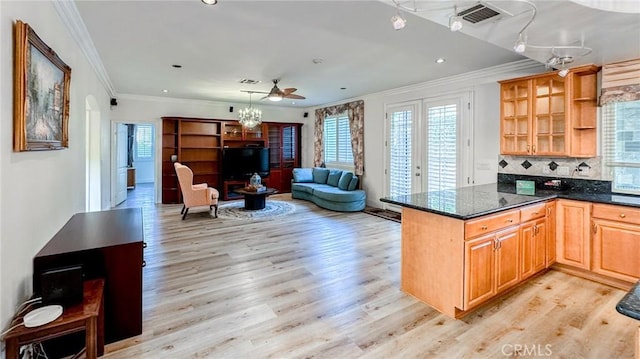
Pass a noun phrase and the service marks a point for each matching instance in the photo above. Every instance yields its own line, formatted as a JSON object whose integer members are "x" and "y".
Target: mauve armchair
{"x": 195, "y": 195}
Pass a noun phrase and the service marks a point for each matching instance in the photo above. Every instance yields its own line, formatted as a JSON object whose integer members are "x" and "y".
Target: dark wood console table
{"x": 109, "y": 245}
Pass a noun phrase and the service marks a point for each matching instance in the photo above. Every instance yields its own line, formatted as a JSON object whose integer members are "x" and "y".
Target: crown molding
{"x": 71, "y": 18}
{"x": 468, "y": 79}
{"x": 471, "y": 78}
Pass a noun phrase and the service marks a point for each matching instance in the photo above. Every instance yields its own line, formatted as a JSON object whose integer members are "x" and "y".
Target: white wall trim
{"x": 70, "y": 17}
{"x": 176, "y": 100}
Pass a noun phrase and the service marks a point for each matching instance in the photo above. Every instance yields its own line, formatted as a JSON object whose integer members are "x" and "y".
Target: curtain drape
{"x": 620, "y": 82}
{"x": 318, "y": 143}
{"x": 355, "y": 112}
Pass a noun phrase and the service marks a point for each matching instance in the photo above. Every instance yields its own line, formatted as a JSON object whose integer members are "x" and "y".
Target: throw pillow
{"x": 320, "y": 175}
{"x": 334, "y": 177}
{"x": 302, "y": 175}
{"x": 346, "y": 177}
{"x": 353, "y": 184}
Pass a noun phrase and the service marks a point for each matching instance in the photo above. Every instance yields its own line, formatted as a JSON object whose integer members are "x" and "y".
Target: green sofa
{"x": 329, "y": 188}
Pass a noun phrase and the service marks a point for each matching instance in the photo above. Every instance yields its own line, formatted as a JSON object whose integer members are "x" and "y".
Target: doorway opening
{"x": 135, "y": 165}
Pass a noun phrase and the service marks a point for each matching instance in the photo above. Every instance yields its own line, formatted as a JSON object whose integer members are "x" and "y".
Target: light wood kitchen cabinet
{"x": 533, "y": 241}
{"x": 549, "y": 115}
{"x": 550, "y": 257}
{"x": 491, "y": 266}
{"x": 616, "y": 242}
{"x": 573, "y": 232}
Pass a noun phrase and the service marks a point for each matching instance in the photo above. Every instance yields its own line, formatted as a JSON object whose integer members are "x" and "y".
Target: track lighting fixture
{"x": 520, "y": 45}
{"x": 563, "y": 72}
{"x": 398, "y": 22}
{"x": 455, "y": 21}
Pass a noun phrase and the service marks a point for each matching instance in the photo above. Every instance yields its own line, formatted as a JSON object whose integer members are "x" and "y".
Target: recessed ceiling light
{"x": 440, "y": 60}
{"x": 293, "y": 102}
{"x": 343, "y": 88}
{"x": 317, "y": 61}
{"x": 177, "y": 66}
{"x": 165, "y": 90}
{"x": 210, "y": 2}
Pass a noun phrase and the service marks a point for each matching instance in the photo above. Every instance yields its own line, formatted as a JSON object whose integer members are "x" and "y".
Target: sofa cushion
{"x": 302, "y": 175}
{"x": 335, "y": 194}
{"x": 307, "y": 187}
{"x": 320, "y": 175}
{"x": 353, "y": 184}
{"x": 346, "y": 177}
{"x": 334, "y": 177}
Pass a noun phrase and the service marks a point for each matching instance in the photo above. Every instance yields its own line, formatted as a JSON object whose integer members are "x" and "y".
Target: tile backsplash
{"x": 558, "y": 167}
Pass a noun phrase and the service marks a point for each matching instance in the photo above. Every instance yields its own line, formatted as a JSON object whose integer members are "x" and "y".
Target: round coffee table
{"x": 255, "y": 200}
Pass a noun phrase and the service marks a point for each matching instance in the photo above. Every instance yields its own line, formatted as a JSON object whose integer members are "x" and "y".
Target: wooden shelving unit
{"x": 198, "y": 144}
{"x": 548, "y": 115}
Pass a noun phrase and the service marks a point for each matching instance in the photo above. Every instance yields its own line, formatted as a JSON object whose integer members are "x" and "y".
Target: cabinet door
{"x": 527, "y": 234}
{"x": 549, "y": 122}
{"x": 539, "y": 245}
{"x": 573, "y": 233}
{"x": 515, "y": 112}
{"x": 507, "y": 259}
{"x": 551, "y": 234}
{"x": 479, "y": 270}
{"x": 616, "y": 250}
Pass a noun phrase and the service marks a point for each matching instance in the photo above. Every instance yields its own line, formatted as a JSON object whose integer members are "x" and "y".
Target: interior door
{"x": 121, "y": 163}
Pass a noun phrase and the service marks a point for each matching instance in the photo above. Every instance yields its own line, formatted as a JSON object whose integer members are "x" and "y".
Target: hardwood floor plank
{"x": 323, "y": 284}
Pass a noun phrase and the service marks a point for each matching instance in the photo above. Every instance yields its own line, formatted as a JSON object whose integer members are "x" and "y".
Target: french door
{"x": 426, "y": 145}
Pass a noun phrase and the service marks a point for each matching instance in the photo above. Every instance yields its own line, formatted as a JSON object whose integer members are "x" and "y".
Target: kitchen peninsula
{"x": 463, "y": 247}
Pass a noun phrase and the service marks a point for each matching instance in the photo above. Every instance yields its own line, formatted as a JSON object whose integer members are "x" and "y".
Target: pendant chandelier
{"x": 250, "y": 117}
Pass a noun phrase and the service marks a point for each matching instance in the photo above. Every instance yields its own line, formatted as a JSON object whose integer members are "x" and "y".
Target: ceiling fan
{"x": 277, "y": 95}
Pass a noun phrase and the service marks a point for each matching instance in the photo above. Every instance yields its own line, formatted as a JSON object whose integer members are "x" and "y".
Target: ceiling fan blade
{"x": 294, "y": 96}
{"x": 289, "y": 90}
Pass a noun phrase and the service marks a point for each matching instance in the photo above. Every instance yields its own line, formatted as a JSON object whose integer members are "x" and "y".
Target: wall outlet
{"x": 563, "y": 171}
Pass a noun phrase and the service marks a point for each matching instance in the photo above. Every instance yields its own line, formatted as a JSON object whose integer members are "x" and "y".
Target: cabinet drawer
{"x": 532, "y": 212}
{"x": 491, "y": 223}
{"x": 616, "y": 213}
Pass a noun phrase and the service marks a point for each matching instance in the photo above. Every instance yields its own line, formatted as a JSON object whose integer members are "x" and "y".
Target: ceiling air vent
{"x": 249, "y": 81}
{"x": 480, "y": 13}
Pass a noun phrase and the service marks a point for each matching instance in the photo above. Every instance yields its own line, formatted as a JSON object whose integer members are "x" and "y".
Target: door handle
{"x": 417, "y": 175}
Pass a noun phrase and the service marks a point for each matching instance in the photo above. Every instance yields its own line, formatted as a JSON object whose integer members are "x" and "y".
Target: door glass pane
{"x": 400, "y": 165}
{"x": 442, "y": 153}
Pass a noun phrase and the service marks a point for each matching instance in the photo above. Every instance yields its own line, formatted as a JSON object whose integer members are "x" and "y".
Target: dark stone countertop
{"x": 475, "y": 201}
{"x": 629, "y": 305}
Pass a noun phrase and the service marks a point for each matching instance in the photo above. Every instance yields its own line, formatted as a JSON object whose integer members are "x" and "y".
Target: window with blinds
{"x": 621, "y": 140}
{"x": 442, "y": 152}
{"x": 400, "y": 166}
{"x": 144, "y": 142}
{"x": 337, "y": 141}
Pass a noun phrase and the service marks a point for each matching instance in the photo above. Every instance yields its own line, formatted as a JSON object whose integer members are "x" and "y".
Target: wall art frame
{"x": 40, "y": 94}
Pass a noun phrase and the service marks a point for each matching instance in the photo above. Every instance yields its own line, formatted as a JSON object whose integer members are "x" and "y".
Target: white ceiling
{"x": 138, "y": 41}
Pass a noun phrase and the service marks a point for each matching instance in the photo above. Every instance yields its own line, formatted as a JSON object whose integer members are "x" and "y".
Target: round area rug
{"x": 272, "y": 208}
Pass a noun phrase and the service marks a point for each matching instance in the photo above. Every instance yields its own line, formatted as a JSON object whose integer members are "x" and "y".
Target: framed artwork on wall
{"x": 40, "y": 94}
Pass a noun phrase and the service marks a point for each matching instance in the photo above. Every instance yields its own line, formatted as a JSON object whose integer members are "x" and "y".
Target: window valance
{"x": 620, "y": 82}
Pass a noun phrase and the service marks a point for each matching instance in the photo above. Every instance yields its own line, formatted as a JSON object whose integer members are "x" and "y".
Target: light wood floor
{"x": 326, "y": 285}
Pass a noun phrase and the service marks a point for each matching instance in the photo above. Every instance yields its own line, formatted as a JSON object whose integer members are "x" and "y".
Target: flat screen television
{"x": 241, "y": 163}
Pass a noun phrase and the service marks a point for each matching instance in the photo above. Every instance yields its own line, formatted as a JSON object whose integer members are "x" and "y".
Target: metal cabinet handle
{"x": 528, "y": 148}
{"x": 484, "y": 228}
{"x": 622, "y": 215}
{"x": 534, "y": 148}
{"x": 595, "y": 228}
{"x": 510, "y": 220}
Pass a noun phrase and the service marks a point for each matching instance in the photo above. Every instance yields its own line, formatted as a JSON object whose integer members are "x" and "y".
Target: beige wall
{"x": 39, "y": 191}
